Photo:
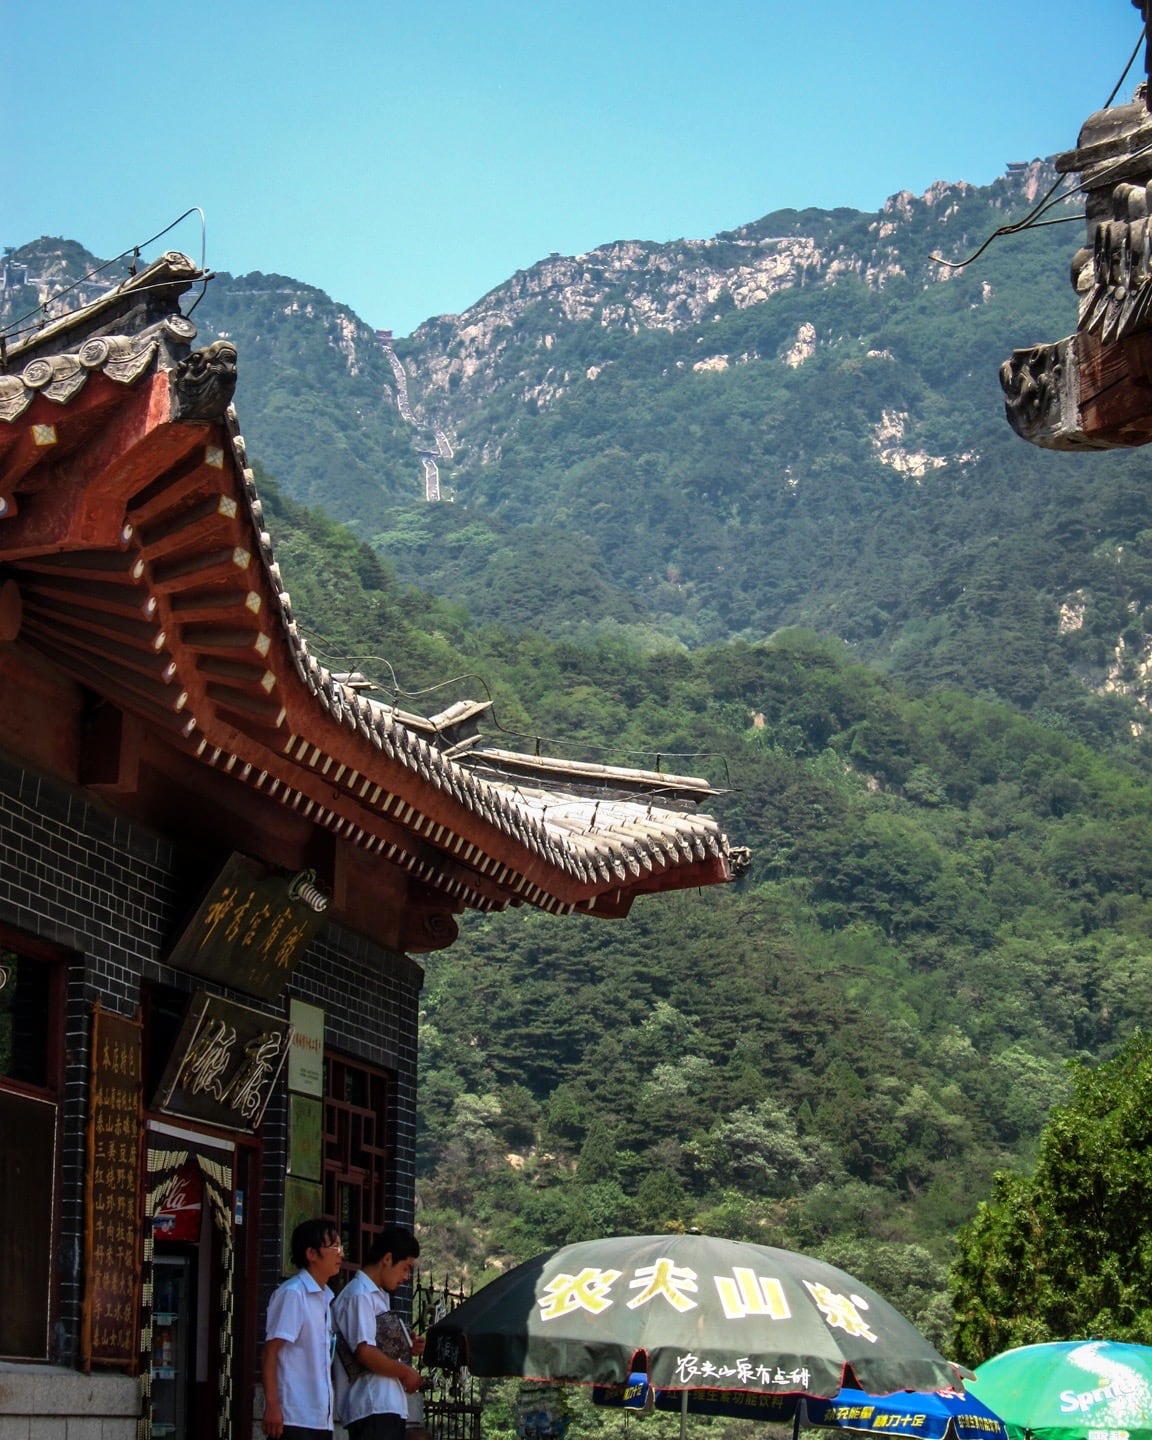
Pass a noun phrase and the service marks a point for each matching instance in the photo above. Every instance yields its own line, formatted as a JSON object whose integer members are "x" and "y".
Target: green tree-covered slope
{"x": 948, "y": 901}
{"x": 1065, "y": 1252}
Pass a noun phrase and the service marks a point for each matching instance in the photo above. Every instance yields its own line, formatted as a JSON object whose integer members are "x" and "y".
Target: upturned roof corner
{"x": 135, "y": 561}
{"x": 1093, "y": 389}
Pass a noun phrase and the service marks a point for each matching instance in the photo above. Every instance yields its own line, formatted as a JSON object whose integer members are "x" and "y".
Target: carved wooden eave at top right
{"x": 1093, "y": 390}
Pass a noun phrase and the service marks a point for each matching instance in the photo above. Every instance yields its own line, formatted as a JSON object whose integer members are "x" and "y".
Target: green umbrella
{"x": 696, "y": 1313}
{"x": 1070, "y": 1390}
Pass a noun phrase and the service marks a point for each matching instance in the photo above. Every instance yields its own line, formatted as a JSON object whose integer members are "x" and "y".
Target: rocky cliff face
{"x": 629, "y": 285}
{"x": 47, "y": 278}
{"x": 509, "y": 340}
{"x": 635, "y": 286}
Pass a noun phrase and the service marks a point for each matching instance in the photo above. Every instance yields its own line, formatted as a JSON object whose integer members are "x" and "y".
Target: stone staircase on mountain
{"x": 443, "y": 447}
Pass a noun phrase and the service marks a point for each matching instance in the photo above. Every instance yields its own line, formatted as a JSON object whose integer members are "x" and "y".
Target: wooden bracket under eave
{"x": 110, "y": 743}
{"x": 11, "y": 612}
{"x": 378, "y": 899}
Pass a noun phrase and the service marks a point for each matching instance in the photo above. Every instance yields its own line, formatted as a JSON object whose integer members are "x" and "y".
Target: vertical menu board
{"x": 306, "y": 1053}
{"x": 111, "y": 1326}
{"x": 303, "y": 1190}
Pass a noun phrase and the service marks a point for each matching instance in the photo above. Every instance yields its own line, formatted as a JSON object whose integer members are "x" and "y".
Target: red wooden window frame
{"x": 357, "y": 1151}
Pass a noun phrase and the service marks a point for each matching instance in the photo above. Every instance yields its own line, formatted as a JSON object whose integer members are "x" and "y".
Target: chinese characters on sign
{"x": 913, "y": 1423}
{"x": 249, "y": 932}
{"x": 586, "y": 1291}
{"x": 303, "y": 1193}
{"x": 887, "y": 1417}
{"x": 111, "y": 1302}
{"x": 743, "y": 1371}
{"x": 674, "y": 1282}
{"x": 637, "y": 1394}
{"x": 742, "y": 1293}
{"x": 306, "y": 1053}
{"x": 746, "y": 1293}
{"x": 841, "y": 1312}
{"x": 225, "y": 1064}
{"x": 305, "y": 1137}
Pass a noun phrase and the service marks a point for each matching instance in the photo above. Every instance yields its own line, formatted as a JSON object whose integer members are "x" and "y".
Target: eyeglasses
{"x": 334, "y": 1245}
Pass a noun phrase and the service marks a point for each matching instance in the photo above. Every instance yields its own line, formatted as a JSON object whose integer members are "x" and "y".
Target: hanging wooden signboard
{"x": 225, "y": 1063}
{"x": 251, "y": 929}
{"x": 110, "y": 1326}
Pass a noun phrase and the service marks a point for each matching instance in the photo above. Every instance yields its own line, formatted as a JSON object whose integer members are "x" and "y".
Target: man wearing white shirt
{"x": 296, "y": 1365}
{"x": 373, "y": 1384}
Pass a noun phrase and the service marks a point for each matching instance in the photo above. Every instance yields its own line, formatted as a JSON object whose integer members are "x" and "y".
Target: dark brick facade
{"x": 110, "y": 894}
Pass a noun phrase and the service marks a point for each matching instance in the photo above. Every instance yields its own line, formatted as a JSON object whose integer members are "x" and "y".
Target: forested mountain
{"x": 948, "y": 900}
{"x": 797, "y": 422}
{"x": 749, "y": 504}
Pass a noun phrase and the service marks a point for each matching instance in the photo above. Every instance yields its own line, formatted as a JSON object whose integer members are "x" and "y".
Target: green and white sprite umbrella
{"x": 1070, "y": 1390}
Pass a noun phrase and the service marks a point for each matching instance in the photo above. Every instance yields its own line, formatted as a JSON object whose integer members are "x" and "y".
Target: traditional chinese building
{"x": 1093, "y": 389}
{"x": 218, "y": 862}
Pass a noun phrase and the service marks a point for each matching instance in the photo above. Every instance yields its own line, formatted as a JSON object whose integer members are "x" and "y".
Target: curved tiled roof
{"x": 130, "y": 521}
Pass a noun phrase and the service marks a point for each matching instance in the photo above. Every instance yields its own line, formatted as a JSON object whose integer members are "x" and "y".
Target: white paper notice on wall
{"x": 306, "y": 1053}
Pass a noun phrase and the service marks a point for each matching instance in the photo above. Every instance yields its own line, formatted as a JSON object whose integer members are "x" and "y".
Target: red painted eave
{"x": 143, "y": 571}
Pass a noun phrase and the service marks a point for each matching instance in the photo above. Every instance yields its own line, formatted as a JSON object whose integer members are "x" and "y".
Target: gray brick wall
{"x": 107, "y": 891}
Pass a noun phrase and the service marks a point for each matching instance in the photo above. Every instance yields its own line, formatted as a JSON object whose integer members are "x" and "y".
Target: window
{"x": 164, "y": 1010}
{"x": 25, "y": 990}
{"x": 356, "y": 1151}
{"x": 31, "y": 1010}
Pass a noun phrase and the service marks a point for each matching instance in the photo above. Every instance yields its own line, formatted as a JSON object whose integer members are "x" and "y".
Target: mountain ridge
{"x": 796, "y": 422}
{"x": 595, "y": 285}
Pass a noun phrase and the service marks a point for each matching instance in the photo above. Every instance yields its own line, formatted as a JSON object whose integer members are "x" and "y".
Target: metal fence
{"x": 451, "y": 1398}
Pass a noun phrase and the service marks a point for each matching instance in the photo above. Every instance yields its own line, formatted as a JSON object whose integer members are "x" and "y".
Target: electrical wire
{"x": 1028, "y": 223}
{"x": 1131, "y": 61}
{"x": 40, "y": 315}
{"x": 13, "y": 333}
{"x": 356, "y": 664}
{"x": 1031, "y": 220}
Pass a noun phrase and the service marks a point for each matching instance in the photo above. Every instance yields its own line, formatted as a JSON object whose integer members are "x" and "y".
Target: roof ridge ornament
{"x": 203, "y": 383}
{"x": 1089, "y": 391}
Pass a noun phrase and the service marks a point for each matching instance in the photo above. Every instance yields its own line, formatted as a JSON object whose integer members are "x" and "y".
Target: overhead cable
{"x": 1031, "y": 220}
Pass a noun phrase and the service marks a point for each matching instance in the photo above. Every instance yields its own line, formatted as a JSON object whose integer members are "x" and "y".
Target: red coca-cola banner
{"x": 178, "y": 1217}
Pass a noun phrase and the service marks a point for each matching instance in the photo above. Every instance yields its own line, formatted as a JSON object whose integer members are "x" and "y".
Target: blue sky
{"x": 409, "y": 157}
